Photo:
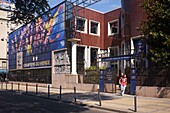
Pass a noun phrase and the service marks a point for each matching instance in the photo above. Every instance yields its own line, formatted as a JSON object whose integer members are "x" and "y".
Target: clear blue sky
{"x": 103, "y": 5}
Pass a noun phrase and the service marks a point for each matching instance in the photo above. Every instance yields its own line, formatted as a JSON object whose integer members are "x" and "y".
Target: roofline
{"x": 113, "y": 10}
{"x": 100, "y": 11}
{"x": 94, "y": 10}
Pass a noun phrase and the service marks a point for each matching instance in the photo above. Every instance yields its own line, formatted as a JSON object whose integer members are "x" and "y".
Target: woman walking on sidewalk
{"x": 123, "y": 84}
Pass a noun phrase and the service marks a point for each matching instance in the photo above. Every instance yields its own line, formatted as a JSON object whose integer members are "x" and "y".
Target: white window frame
{"x": 109, "y": 27}
{"x": 98, "y": 29}
{"x": 85, "y": 25}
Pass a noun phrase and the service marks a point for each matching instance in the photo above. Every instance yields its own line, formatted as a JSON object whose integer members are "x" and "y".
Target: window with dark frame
{"x": 80, "y": 24}
{"x": 113, "y": 52}
{"x": 94, "y": 27}
{"x": 114, "y": 27}
{"x": 94, "y": 56}
{"x": 80, "y": 60}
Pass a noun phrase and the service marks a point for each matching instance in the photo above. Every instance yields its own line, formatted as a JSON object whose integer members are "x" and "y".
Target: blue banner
{"x": 101, "y": 82}
{"x": 140, "y": 47}
{"x": 125, "y": 57}
{"x": 133, "y": 81}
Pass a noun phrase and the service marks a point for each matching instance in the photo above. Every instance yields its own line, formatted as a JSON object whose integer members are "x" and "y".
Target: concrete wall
{"x": 70, "y": 81}
{"x": 160, "y": 92}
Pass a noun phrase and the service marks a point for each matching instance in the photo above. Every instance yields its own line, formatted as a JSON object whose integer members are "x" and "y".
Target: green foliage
{"x": 91, "y": 76}
{"x": 25, "y": 10}
{"x": 103, "y": 67}
{"x": 94, "y": 68}
{"x": 91, "y": 68}
{"x": 156, "y": 28}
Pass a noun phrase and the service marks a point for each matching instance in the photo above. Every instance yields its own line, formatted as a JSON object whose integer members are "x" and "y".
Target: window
{"x": 81, "y": 24}
{"x": 122, "y": 20}
{"x": 80, "y": 59}
{"x": 94, "y": 28}
{"x": 113, "y": 27}
{"x": 94, "y": 53}
{"x": 113, "y": 51}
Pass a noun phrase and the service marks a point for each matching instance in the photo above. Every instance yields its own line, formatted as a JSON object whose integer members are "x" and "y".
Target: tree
{"x": 157, "y": 30}
{"x": 26, "y": 10}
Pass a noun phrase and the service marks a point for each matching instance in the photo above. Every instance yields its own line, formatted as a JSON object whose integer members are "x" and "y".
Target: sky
{"x": 102, "y": 6}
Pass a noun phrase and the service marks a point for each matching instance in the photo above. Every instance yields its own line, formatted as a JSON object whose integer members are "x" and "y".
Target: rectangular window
{"x": 80, "y": 59}
{"x": 94, "y": 28}
{"x": 81, "y": 24}
{"x": 113, "y": 27}
{"x": 94, "y": 53}
{"x": 113, "y": 52}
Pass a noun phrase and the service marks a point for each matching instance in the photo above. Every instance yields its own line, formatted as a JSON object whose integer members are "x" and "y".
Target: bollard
{"x": 6, "y": 85}
{"x": 1, "y": 85}
{"x": 74, "y": 94}
{"x": 48, "y": 90}
{"x": 36, "y": 89}
{"x": 60, "y": 92}
{"x": 135, "y": 104}
{"x": 18, "y": 87}
{"x": 12, "y": 86}
{"x": 99, "y": 97}
{"x": 26, "y": 88}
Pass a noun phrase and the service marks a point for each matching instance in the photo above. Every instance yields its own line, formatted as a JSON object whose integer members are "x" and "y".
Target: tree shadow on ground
{"x": 15, "y": 103}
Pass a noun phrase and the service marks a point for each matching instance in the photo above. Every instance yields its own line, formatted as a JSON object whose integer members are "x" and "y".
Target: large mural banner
{"x": 36, "y": 40}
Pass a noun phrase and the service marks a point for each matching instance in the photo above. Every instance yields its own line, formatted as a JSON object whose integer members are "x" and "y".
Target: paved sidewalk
{"x": 109, "y": 101}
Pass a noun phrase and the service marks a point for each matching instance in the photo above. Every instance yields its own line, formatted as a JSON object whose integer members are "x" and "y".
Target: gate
{"x": 108, "y": 80}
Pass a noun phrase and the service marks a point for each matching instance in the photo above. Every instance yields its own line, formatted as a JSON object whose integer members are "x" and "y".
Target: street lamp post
{"x": 3, "y": 39}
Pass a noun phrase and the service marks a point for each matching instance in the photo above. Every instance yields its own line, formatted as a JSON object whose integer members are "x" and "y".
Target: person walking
{"x": 123, "y": 84}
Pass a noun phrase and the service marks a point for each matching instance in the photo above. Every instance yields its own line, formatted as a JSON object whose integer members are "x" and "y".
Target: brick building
{"x": 58, "y": 47}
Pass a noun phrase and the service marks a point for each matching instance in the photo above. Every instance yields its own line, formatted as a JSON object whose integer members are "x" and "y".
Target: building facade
{"x": 59, "y": 46}
{"x": 59, "y": 43}
{"x": 6, "y": 27}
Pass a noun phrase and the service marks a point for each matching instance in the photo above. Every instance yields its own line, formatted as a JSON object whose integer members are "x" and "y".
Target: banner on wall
{"x": 140, "y": 47}
{"x": 33, "y": 43}
{"x": 109, "y": 75}
{"x": 19, "y": 60}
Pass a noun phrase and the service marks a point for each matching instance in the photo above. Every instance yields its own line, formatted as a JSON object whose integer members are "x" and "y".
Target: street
{"x": 18, "y": 103}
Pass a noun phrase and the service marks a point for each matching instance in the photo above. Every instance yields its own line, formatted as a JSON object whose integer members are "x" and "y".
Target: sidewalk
{"x": 109, "y": 101}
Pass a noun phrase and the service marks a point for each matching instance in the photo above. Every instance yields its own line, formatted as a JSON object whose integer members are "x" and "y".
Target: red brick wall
{"x": 92, "y": 40}
{"x": 136, "y": 14}
{"x": 103, "y": 41}
{"x": 111, "y": 40}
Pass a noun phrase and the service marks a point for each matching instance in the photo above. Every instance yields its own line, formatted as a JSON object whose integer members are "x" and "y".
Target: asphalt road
{"x": 18, "y": 103}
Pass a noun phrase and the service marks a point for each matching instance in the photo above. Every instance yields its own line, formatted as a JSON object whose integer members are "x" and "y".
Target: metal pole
{"x": 6, "y": 85}
{"x": 6, "y": 60}
{"x": 60, "y": 92}
{"x": 74, "y": 94}
{"x": 1, "y": 85}
{"x": 26, "y": 87}
{"x": 36, "y": 89}
{"x": 135, "y": 103}
{"x": 12, "y": 86}
{"x": 18, "y": 87}
{"x": 48, "y": 90}
{"x": 99, "y": 98}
